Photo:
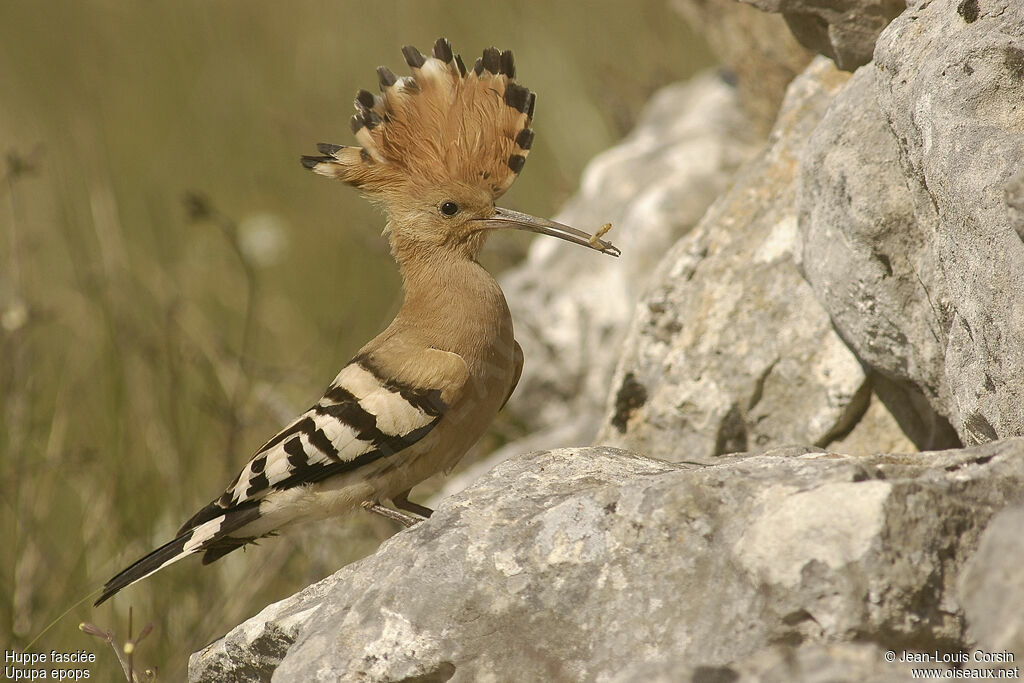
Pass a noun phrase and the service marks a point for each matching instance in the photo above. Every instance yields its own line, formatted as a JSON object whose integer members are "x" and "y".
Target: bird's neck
{"x": 453, "y": 302}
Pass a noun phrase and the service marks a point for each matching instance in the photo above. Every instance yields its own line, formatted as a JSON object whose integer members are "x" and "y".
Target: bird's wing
{"x": 363, "y": 416}
{"x": 518, "y": 357}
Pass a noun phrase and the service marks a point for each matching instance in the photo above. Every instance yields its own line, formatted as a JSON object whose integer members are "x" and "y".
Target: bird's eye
{"x": 449, "y": 208}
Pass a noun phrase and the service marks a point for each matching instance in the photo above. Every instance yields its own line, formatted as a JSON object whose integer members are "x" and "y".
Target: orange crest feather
{"x": 443, "y": 124}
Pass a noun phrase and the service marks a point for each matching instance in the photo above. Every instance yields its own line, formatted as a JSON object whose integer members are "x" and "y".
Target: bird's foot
{"x": 402, "y": 502}
{"x": 402, "y": 518}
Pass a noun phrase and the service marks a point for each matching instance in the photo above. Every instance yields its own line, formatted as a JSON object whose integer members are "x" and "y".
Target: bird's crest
{"x": 444, "y": 123}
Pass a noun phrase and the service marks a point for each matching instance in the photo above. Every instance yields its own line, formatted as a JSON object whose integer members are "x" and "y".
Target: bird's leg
{"x": 402, "y": 502}
{"x": 400, "y": 517}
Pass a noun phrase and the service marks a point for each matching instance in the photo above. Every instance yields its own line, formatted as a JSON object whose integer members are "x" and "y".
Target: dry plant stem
{"x": 108, "y": 637}
{"x": 200, "y": 208}
{"x": 229, "y": 228}
{"x": 14, "y": 405}
{"x": 130, "y": 651}
{"x": 126, "y": 653}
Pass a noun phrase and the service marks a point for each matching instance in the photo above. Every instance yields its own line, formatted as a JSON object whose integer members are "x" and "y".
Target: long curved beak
{"x": 515, "y": 220}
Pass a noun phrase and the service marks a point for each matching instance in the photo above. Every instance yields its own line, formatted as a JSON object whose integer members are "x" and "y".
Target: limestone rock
{"x": 992, "y": 586}
{"x": 868, "y": 260}
{"x": 255, "y": 648}
{"x": 729, "y": 349}
{"x": 910, "y": 218}
{"x": 571, "y": 306}
{"x": 950, "y": 84}
{"x": 579, "y": 564}
{"x": 844, "y": 31}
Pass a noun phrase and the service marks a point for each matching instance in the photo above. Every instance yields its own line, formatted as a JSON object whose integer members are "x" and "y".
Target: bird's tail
{"x": 211, "y": 536}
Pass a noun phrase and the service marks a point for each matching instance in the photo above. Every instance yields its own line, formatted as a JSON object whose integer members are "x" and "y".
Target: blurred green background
{"x": 147, "y": 343}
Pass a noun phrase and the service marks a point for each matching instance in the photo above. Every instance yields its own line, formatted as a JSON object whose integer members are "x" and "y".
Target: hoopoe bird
{"x": 437, "y": 148}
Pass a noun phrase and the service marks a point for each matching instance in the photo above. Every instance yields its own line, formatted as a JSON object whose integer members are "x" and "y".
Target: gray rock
{"x": 578, "y": 564}
{"x": 844, "y": 30}
{"x": 910, "y": 208}
{"x": 911, "y": 220}
{"x": 954, "y": 107}
{"x": 992, "y": 586}
{"x": 871, "y": 263}
{"x": 252, "y": 650}
{"x": 572, "y": 306}
{"x": 729, "y": 349}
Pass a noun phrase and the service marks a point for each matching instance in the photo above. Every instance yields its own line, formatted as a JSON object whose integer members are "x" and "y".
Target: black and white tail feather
{"x": 362, "y": 419}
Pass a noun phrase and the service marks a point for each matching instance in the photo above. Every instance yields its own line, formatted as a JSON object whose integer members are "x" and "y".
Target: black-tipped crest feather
{"x": 311, "y": 162}
{"x": 443, "y": 50}
{"x": 386, "y": 77}
{"x": 492, "y": 60}
{"x": 413, "y": 57}
{"x": 517, "y": 97}
{"x": 406, "y": 133}
{"x": 330, "y": 148}
{"x": 364, "y": 99}
{"x": 508, "y": 64}
{"x": 524, "y": 139}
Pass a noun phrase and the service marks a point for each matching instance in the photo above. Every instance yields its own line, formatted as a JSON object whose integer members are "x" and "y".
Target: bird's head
{"x": 439, "y": 147}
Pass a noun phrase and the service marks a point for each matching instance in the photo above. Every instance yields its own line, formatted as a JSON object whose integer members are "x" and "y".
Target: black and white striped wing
{"x": 361, "y": 419}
